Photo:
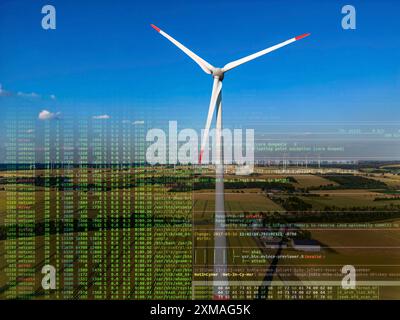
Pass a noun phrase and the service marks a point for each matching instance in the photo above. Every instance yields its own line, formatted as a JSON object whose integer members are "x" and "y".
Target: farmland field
{"x": 106, "y": 233}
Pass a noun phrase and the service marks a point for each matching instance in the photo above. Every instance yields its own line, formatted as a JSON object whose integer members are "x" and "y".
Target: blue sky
{"x": 104, "y": 58}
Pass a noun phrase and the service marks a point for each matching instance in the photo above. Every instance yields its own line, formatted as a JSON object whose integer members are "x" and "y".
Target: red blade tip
{"x": 302, "y": 36}
{"x": 201, "y": 156}
{"x": 155, "y": 27}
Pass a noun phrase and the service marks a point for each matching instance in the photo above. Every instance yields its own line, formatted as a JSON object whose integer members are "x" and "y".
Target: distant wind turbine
{"x": 221, "y": 283}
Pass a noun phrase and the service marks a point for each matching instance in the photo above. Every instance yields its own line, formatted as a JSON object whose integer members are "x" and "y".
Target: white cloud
{"x": 21, "y": 94}
{"x": 101, "y": 117}
{"x": 47, "y": 115}
{"x": 136, "y": 122}
{"x": 28, "y": 95}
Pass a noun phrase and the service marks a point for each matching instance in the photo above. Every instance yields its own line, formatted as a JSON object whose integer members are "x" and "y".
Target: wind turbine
{"x": 221, "y": 290}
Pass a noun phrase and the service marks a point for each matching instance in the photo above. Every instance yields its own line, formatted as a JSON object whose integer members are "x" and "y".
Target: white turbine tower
{"x": 220, "y": 284}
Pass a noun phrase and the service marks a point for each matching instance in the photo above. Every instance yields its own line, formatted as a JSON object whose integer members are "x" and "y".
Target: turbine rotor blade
{"x": 253, "y": 56}
{"x": 217, "y": 87}
{"x": 207, "y": 68}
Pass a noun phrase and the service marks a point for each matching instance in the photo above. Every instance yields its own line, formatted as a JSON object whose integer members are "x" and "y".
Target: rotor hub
{"x": 218, "y": 73}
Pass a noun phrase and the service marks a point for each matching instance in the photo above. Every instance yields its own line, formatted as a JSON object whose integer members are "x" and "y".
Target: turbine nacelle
{"x": 218, "y": 73}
